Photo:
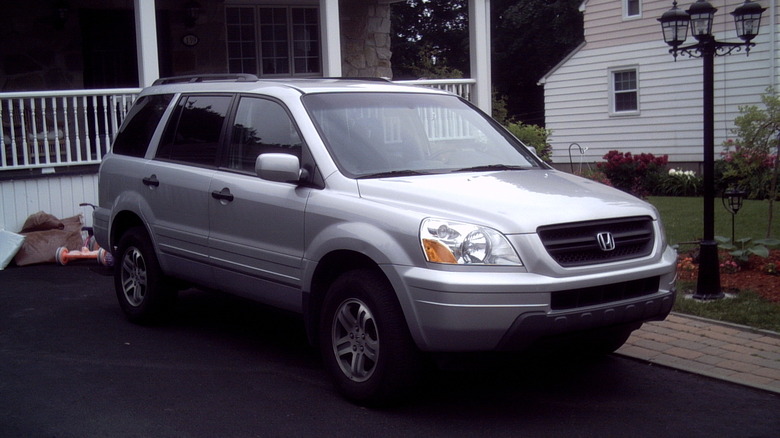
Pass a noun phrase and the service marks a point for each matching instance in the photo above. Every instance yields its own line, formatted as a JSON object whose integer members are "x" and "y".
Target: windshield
{"x": 396, "y": 134}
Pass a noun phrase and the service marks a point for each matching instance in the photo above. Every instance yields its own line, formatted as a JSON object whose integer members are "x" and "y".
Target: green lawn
{"x": 682, "y": 218}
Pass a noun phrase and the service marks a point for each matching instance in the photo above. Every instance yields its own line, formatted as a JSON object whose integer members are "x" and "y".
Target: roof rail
{"x": 238, "y": 77}
{"x": 359, "y": 78}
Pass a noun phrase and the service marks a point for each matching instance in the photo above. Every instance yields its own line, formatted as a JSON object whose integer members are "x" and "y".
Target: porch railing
{"x": 461, "y": 87}
{"x": 48, "y": 129}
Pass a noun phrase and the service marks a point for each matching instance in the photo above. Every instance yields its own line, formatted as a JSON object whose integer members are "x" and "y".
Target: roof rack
{"x": 237, "y": 77}
{"x": 359, "y": 78}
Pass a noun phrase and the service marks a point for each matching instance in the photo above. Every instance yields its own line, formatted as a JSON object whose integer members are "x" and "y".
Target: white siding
{"x": 605, "y": 25}
{"x": 58, "y": 195}
{"x": 670, "y": 94}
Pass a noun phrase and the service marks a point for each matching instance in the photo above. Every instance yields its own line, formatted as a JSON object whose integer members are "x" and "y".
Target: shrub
{"x": 595, "y": 175}
{"x": 635, "y": 174}
{"x": 535, "y": 136}
{"x": 679, "y": 183}
{"x": 749, "y": 168}
{"x": 750, "y": 161}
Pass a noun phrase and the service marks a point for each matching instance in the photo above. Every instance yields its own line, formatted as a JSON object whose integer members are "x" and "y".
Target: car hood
{"x": 514, "y": 202}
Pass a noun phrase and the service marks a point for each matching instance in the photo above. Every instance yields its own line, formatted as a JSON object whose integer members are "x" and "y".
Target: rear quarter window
{"x": 134, "y": 136}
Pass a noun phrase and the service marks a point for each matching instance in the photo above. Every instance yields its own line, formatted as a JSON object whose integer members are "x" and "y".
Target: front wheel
{"x": 143, "y": 291}
{"x": 365, "y": 341}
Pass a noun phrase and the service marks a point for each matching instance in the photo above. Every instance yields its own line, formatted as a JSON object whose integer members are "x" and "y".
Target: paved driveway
{"x": 71, "y": 366}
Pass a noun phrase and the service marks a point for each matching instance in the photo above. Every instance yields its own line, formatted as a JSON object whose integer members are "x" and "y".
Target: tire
{"x": 365, "y": 342}
{"x": 143, "y": 291}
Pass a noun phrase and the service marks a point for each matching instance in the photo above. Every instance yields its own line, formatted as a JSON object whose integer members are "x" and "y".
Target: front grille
{"x": 591, "y": 296}
{"x": 576, "y": 244}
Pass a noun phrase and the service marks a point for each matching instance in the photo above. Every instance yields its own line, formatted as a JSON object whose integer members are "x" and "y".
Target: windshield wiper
{"x": 490, "y": 167}
{"x": 406, "y": 172}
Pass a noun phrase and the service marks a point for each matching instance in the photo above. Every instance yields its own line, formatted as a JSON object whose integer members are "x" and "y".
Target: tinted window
{"x": 194, "y": 132}
{"x": 142, "y": 120}
{"x": 261, "y": 126}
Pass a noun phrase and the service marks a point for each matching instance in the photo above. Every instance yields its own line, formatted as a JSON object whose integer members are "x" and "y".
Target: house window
{"x": 278, "y": 40}
{"x": 632, "y": 8}
{"x": 625, "y": 91}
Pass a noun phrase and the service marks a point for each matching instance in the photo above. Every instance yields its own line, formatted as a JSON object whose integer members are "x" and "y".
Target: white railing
{"x": 461, "y": 87}
{"x": 45, "y": 129}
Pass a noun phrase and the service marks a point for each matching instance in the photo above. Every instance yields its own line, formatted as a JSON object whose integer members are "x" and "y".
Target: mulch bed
{"x": 760, "y": 275}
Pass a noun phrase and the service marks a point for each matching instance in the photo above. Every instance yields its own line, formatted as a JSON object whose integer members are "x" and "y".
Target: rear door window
{"x": 195, "y": 130}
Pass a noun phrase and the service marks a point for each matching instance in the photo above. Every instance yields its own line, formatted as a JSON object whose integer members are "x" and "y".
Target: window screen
{"x": 273, "y": 40}
{"x": 625, "y": 91}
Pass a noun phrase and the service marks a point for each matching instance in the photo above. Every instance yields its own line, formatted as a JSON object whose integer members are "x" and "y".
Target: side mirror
{"x": 279, "y": 167}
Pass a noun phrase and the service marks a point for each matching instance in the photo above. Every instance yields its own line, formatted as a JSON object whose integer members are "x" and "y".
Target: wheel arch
{"x": 330, "y": 267}
{"x": 122, "y": 222}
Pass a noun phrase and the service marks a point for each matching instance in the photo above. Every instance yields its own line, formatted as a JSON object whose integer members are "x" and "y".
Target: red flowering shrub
{"x": 748, "y": 168}
{"x": 635, "y": 174}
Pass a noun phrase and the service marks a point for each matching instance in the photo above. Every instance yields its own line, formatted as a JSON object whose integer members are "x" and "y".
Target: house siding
{"x": 57, "y": 195}
{"x": 669, "y": 120}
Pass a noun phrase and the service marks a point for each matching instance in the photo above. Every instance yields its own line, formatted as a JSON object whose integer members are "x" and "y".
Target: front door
{"x": 256, "y": 237}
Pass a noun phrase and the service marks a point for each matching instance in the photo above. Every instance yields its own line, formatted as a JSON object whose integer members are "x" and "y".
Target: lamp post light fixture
{"x": 674, "y": 25}
{"x": 732, "y": 202}
{"x": 192, "y": 11}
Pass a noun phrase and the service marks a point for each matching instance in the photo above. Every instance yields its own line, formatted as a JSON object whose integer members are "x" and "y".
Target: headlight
{"x": 459, "y": 243}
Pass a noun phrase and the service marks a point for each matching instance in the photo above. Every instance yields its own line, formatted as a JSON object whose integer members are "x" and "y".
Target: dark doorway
{"x": 108, "y": 37}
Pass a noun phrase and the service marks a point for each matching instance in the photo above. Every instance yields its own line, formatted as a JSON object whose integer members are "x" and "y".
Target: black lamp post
{"x": 732, "y": 202}
{"x": 674, "y": 24}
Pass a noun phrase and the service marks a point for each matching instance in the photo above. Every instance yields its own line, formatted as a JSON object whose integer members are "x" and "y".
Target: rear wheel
{"x": 365, "y": 342}
{"x": 143, "y": 291}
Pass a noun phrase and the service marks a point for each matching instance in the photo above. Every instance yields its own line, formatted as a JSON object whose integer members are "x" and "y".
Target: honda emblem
{"x": 606, "y": 241}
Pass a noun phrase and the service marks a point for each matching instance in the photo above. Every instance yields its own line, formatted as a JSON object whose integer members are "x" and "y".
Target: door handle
{"x": 222, "y": 195}
{"x": 151, "y": 181}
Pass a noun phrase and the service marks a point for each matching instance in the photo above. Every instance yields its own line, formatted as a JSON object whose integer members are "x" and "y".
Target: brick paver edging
{"x": 731, "y": 352}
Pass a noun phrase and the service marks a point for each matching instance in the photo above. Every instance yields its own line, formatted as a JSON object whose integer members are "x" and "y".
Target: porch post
{"x": 479, "y": 52}
{"x": 330, "y": 35}
{"x": 146, "y": 42}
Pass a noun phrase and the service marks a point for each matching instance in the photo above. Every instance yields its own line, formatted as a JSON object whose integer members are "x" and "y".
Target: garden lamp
{"x": 732, "y": 202}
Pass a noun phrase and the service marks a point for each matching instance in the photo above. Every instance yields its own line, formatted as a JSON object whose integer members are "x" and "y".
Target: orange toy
{"x": 102, "y": 256}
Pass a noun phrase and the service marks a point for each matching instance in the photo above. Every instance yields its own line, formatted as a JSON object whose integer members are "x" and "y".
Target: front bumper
{"x": 456, "y": 311}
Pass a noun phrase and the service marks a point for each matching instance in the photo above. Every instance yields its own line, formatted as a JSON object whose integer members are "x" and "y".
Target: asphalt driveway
{"x": 72, "y": 366}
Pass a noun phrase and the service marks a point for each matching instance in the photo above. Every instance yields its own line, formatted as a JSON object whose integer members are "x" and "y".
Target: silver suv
{"x": 396, "y": 220}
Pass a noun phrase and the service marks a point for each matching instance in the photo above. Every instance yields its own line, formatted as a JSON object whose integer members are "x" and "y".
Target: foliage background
{"x": 430, "y": 40}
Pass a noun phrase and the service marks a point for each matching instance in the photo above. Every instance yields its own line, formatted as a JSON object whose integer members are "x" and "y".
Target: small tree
{"x": 758, "y": 134}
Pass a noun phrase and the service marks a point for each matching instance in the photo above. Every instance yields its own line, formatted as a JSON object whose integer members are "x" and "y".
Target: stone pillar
{"x": 365, "y": 27}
